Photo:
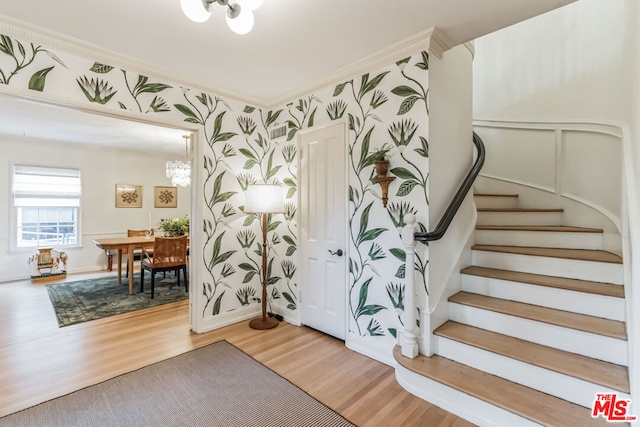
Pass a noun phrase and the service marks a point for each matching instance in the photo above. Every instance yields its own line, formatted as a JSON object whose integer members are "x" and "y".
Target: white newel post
{"x": 409, "y": 343}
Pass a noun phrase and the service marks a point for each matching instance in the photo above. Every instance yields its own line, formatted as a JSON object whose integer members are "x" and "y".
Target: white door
{"x": 323, "y": 214}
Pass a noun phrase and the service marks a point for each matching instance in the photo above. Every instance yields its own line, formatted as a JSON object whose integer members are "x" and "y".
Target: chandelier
{"x": 239, "y": 13}
{"x": 179, "y": 171}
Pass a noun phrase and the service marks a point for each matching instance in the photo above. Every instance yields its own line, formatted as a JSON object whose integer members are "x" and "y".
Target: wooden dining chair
{"x": 169, "y": 254}
{"x": 137, "y": 254}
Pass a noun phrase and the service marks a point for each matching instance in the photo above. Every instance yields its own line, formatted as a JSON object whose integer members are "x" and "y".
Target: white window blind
{"x": 46, "y": 187}
{"x": 47, "y": 205}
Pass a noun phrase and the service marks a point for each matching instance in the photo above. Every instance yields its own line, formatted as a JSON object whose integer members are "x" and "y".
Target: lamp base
{"x": 260, "y": 323}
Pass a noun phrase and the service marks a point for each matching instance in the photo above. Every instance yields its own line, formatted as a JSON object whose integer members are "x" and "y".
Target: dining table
{"x": 131, "y": 244}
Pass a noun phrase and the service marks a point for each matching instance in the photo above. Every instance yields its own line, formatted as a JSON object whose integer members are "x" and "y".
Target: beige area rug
{"x": 217, "y": 385}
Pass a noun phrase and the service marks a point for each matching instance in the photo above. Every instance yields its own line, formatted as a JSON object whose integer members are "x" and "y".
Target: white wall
{"x": 544, "y": 89}
{"x": 578, "y": 63}
{"x": 101, "y": 169}
{"x": 451, "y": 152}
{"x": 573, "y": 166}
{"x": 450, "y": 128}
{"x": 633, "y": 178}
{"x": 571, "y": 63}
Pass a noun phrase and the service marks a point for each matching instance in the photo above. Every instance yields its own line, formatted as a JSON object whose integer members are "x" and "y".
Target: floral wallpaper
{"x": 18, "y": 56}
{"x": 385, "y": 109}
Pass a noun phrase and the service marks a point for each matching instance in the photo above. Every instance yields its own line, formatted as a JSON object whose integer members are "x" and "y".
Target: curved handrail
{"x": 457, "y": 200}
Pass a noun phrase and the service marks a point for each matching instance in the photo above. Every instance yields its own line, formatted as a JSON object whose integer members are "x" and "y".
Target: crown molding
{"x": 471, "y": 47}
{"x": 438, "y": 42}
{"x": 431, "y": 40}
{"x": 64, "y": 43}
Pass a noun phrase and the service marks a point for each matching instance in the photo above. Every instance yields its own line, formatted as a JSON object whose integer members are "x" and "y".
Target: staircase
{"x": 538, "y": 327}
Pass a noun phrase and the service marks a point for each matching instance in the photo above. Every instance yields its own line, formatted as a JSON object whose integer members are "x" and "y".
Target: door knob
{"x": 338, "y": 252}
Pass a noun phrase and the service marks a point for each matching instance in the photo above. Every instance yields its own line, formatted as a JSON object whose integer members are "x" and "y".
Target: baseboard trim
{"x": 373, "y": 350}
{"x": 228, "y": 318}
{"x": 290, "y": 316}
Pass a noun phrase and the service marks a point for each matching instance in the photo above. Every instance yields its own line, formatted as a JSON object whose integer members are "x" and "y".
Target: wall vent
{"x": 278, "y": 132}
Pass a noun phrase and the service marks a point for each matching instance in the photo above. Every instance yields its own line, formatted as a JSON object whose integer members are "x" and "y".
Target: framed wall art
{"x": 165, "y": 197}
{"x": 128, "y": 196}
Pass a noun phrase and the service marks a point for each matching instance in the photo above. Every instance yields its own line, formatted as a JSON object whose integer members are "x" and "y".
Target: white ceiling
{"x": 294, "y": 43}
{"x": 21, "y": 118}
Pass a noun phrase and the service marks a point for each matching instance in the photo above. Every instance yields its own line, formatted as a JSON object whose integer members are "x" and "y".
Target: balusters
{"x": 409, "y": 343}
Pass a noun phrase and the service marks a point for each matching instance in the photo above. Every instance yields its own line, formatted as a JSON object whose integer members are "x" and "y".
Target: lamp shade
{"x": 195, "y": 10}
{"x": 264, "y": 198}
{"x": 242, "y": 23}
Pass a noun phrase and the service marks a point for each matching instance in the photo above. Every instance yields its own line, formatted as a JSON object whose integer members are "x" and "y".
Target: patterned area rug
{"x": 77, "y": 302}
{"x": 217, "y": 385}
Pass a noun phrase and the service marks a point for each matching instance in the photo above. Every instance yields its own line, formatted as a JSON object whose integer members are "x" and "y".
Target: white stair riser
{"x": 561, "y": 299}
{"x": 519, "y": 218}
{"x": 470, "y": 408}
{"x": 539, "y": 239}
{"x": 496, "y": 202}
{"x": 556, "y": 384}
{"x": 549, "y": 266}
{"x": 591, "y": 345}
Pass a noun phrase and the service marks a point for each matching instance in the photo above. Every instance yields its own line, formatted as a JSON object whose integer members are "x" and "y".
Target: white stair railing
{"x": 409, "y": 342}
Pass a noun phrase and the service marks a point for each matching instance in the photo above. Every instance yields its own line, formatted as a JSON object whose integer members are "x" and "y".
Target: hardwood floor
{"x": 39, "y": 361}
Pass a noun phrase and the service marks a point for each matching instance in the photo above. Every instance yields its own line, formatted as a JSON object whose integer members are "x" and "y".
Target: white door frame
{"x": 196, "y": 152}
{"x": 345, "y": 126}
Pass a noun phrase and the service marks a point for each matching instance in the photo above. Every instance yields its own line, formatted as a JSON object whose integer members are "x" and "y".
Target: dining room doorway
{"x": 108, "y": 150}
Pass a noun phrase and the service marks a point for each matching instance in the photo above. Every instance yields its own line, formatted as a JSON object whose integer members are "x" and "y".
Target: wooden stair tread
{"x": 551, "y": 228}
{"x": 571, "y": 364}
{"x": 519, "y": 210}
{"x": 581, "y": 322}
{"x": 526, "y": 402}
{"x": 576, "y": 254}
{"x": 599, "y": 288}
{"x": 494, "y": 195}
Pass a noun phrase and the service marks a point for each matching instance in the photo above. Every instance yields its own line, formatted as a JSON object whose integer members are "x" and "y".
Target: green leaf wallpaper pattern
{"x": 417, "y": 91}
{"x": 20, "y": 58}
{"x": 301, "y": 115}
{"x": 372, "y": 106}
{"x": 143, "y": 86}
{"x": 240, "y": 154}
{"x": 38, "y": 80}
{"x": 96, "y": 90}
{"x": 100, "y": 68}
{"x": 380, "y": 109}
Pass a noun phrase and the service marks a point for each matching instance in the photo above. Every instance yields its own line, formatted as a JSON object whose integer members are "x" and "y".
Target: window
{"x": 47, "y": 204}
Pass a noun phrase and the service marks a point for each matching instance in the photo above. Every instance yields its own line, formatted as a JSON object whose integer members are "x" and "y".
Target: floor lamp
{"x": 264, "y": 199}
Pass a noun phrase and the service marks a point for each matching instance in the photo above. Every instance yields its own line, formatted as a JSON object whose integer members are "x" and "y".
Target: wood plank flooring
{"x": 39, "y": 361}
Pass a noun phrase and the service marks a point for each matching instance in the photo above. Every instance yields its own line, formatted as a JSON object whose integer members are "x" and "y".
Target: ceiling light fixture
{"x": 239, "y": 13}
{"x": 179, "y": 171}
